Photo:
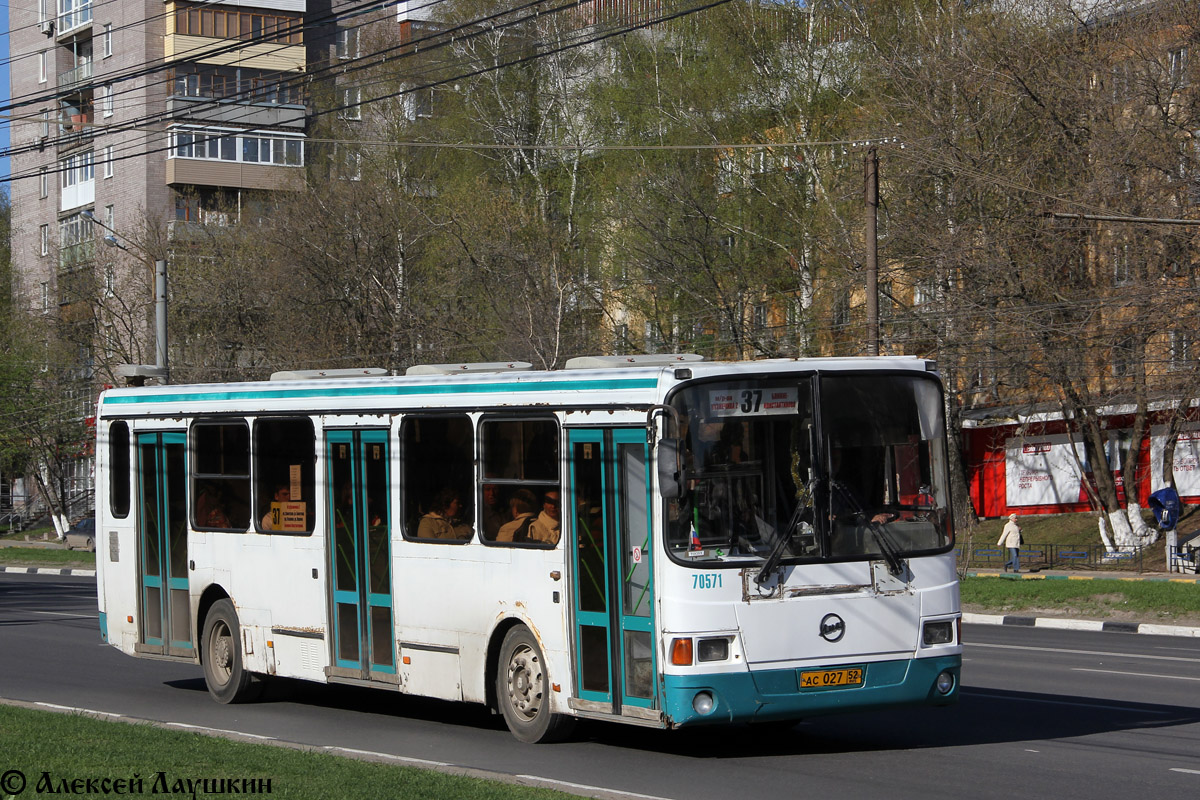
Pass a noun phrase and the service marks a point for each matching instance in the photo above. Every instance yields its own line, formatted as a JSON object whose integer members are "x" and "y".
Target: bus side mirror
{"x": 671, "y": 473}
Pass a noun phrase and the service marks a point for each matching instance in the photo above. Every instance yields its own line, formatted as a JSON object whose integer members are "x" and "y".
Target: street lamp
{"x": 161, "y": 367}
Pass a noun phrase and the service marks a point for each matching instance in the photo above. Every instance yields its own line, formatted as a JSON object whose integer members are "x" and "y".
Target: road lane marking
{"x": 78, "y": 710}
{"x": 1135, "y": 674}
{"x": 60, "y": 614}
{"x": 1082, "y": 652}
{"x": 605, "y": 789}
{"x": 332, "y": 748}
{"x": 1101, "y": 706}
{"x": 1187, "y": 771}
{"x": 218, "y": 730}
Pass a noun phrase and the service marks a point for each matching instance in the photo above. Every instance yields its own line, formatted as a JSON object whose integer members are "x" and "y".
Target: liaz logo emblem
{"x": 833, "y": 628}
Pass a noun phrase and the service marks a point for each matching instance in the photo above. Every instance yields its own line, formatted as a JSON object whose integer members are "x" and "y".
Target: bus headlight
{"x": 702, "y": 703}
{"x": 941, "y": 632}
{"x": 944, "y": 682}
{"x": 712, "y": 649}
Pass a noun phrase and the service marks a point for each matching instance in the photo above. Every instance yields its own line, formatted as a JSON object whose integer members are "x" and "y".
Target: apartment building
{"x": 143, "y": 117}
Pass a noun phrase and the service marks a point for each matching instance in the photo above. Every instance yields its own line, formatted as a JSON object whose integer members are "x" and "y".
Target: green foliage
{"x": 1154, "y": 600}
{"x": 74, "y": 746}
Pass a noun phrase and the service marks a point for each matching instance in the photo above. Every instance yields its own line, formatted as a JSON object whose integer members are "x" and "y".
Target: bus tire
{"x": 523, "y": 691}
{"x": 227, "y": 678}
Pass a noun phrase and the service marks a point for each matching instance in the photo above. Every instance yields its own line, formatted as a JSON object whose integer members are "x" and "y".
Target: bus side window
{"x": 519, "y": 496}
{"x": 284, "y": 474}
{"x": 439, "y": 464}
{"x": 118, "y": 468}
{"x": 221, "y": 476}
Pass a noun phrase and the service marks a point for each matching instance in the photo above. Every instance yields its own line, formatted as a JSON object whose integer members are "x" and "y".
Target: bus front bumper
{"x": 765, "y": 695}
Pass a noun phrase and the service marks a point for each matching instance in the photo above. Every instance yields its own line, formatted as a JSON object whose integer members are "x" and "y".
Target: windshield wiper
{"x": 888, "y": 549}
{"x": 776, "y": 555}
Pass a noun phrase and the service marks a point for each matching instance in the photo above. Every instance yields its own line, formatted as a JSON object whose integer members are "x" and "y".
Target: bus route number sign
{"x": 753, "y": 402}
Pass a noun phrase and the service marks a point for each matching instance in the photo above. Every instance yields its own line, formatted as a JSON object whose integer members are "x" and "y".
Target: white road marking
{"x": 388, "y": 756}
{"x": 553, "y": 782}
{"x": 62, "y": 614}
{"x": 1187, "y": 771}
{"x": 1082, "y": 652}
{"x": 78, "y": 710}
{"x": 218, "y": 730}
{"x": 1135, "y": 674}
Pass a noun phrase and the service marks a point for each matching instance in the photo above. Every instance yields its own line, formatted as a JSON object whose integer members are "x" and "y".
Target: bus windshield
{"x": 863, "y": 478}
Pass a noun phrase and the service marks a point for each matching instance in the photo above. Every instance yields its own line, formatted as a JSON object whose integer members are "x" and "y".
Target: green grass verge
{"x": 1157, "y": 600}
{"x": 46, "y": 557}
{"x": 71, "y": 746}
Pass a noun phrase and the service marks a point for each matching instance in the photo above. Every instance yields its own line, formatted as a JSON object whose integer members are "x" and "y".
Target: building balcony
{"x": 257, "y": 115}
{"x": 270, "y": 56}
{"x": 73, "y": 77}
{"x": 72, "y": 256}
{"x": 73, "y": 17}
{"x": 232, "y": 174}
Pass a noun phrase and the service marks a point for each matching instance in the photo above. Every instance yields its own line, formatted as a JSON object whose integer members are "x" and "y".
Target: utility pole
{"x": 871, "y": 167}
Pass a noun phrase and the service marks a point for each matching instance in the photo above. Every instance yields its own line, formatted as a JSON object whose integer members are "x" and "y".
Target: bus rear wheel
{"x": 227, "y": 678}
{"x": 523, "y": 691}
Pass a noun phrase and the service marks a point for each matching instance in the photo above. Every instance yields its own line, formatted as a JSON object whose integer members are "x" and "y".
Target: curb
{"x": 1081, "y": 625}
{"x": 1033, "y": 576}
{"x": 82, "y": 573}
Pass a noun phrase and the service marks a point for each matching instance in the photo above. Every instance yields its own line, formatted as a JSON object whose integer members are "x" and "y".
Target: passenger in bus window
{"x": 545, "y": 528}
{"x": 522, "y": 506}
{"x": 493, "y": 516}
{"x": 210, "y": 509}
{"x": 282, "y": 495}
{"x": 438, "y": 523}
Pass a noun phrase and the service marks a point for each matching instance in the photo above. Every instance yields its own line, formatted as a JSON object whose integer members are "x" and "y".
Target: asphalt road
{"x": 1043, "y": 713}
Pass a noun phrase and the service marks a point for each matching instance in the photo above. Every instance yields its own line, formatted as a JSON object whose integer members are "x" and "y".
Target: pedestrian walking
{"x": 1010, "y": 537}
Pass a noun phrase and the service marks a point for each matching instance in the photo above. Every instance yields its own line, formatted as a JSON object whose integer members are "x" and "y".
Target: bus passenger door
{"x": 612, "y": 550}
{"x": 165, "y": 613}
{"x": 360, "y": 555}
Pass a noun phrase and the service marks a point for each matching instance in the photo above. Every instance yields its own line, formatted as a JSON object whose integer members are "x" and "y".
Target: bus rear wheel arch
{"x": 523, "y": 690}
{"x": 225, "y": 674}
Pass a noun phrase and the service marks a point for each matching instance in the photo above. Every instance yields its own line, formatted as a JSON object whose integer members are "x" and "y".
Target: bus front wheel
{"x": 523, "y": 690}
{"x": 227, "y": 678}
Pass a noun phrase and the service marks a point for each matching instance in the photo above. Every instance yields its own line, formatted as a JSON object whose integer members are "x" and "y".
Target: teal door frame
{"x": 612, "y": 567}
{"x": 361, "y": 611}
{"x": 165, "y": 608}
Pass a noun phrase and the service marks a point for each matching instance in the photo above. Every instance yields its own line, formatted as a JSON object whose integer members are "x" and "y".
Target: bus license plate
{"x": 832, "y": 677}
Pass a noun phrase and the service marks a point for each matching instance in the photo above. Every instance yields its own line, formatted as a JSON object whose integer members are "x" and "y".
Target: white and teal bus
{"x": 656, "y": 540}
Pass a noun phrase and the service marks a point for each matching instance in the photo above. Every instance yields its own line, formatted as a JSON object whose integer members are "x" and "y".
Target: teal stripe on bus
{"x": 384, "y": 391}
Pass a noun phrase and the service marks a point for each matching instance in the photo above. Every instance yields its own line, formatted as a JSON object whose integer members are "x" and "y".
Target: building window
{"x": 108, "y": 39}
{"x": 45, "y": 294}
{"x": 193, "y": 19}
{"x": 76, "y": 170}
{"x": 351, "y": 104}
{"x": 45, "y": 123}
{"x": 1122, "y": 358}
{"x": 43, "y": 59}
{"x": 347, "y": 43}
{"x": 760, "y": 317}
{"x": 1178, "y": 66}
{"x": 44, "y": 184}
{"x": 108, "y": 161}
{"x": 44, "y": 233}
{"x": 1181, "y": 349}
{"x": 106, "y": 100}
{"x": 1122, "y": 273}
{"x": 110, "y": 287}
{"x": 110, "y": 217}
{"x": 219, "y": 145}
{"x": 841, "y": 309}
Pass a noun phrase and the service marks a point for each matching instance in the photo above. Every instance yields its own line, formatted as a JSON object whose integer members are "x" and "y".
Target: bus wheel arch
{"x": 522, "y": 687}
{"x": 225, "y": 673}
